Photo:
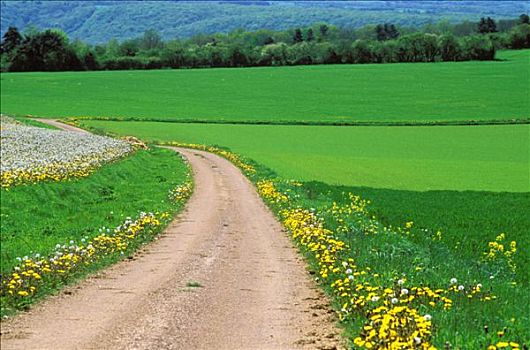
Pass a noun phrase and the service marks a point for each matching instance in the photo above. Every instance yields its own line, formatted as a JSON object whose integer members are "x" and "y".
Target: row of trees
{"x": 51, "y": 50}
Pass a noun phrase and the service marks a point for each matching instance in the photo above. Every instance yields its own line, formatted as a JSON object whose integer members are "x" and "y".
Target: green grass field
{"x": 37, "y": 217}
{"x": 388, "y": 92}
{"x": 481, "y": 158}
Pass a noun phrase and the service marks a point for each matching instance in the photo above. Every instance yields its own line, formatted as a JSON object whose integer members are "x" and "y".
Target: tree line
{"x": 52, "y": 50}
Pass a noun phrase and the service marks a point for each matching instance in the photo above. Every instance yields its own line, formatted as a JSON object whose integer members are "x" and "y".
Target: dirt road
{"x": 223, "y": 276}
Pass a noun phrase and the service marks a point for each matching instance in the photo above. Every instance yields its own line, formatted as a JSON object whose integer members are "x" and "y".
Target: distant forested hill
{"x": 99, "y": 21}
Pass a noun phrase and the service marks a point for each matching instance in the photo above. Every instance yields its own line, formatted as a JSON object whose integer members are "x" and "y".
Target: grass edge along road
{"x": 77, "y": 244}
{"x": 380, "y": 306}
{"x": 345, "y": 93}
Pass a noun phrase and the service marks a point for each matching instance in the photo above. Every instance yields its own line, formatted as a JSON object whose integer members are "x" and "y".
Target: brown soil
{"x": 224, "y": 275}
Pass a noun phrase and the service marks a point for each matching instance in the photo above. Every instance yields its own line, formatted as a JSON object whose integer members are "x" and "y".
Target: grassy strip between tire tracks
{"x": 58, "y": 232}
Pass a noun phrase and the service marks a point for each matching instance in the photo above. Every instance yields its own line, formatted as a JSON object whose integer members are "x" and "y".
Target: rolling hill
{"x": 99, "y": 21}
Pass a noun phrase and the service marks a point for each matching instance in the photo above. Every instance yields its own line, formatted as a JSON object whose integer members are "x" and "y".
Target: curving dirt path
{"x": 223, "y": 276}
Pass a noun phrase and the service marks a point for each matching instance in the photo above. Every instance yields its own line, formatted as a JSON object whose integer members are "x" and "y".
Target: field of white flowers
{"x": 31, "y": 154}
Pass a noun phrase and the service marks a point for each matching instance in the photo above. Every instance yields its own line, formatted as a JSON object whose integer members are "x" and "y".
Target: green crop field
{"x": 337, "y": 93}
{"x": 488, "y": 158}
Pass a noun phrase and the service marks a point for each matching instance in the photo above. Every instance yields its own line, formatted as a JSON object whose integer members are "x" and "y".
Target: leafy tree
{"x": 430, "y": 47}
{"x": 479, "y": 48}
{"x": 361, "y": 52}
{"x": 324, "y": 53}
{"x": 323, "y": 28}
{"x": 129, "y": 48}
{"x": 524, "y": 19}
{"x": 275, "y": 53}
{"x": 150, "y": 40}
{"x": 300, "y": 54}
{"x": 80, "y": 48}
{"x": 386, "y": 32}
{"x": 90, "y": 61}
{"x": 173, "y": 54}
{"x": 112, "y": 48}
{"x": 297, "y": 37}
{"x": 11, "y": 40}
{"x": 487, "y": 25}
{"x": 519, "y": 37}
{"x": 383, "y": 52}
{"x": 309, "y": 35}
{"x": 46, "y": 51}
{"x": 449, "y": 47}
{"x": 237, "y": 57}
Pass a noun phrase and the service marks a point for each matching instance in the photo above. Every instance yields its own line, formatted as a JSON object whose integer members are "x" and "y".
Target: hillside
{"x": 97, "y": 22}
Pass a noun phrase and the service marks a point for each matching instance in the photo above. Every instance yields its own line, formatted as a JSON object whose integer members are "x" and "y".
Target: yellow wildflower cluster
{"x": 34, "y": 272}
{"x": 232, "y": 157}
{"x": 504, "y": 345}
{"x": 181, "y": 192}
{"x": 57, "y": 171}
{"x": 396, "y": 328}
{"x": 267, "y": 189}
{"x": 310, "y": 233}
{"x": 499, "y": 252}
{"x": 389, "y": 326}
{"x": 357, "y": 206}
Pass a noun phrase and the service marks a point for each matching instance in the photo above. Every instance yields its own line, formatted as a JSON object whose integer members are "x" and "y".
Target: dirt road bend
{"x": 223, "y": 276}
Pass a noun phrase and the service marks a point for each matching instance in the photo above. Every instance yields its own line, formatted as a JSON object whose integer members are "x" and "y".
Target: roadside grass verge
{"x": 415, "y": 243}
{"x": 466, "y": 220}
{"x": 50, "y": 218}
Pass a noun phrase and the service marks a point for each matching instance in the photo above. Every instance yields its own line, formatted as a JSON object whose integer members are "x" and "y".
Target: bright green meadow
{"x": 480, "y": 158}
{"x": 421, "y": 92}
